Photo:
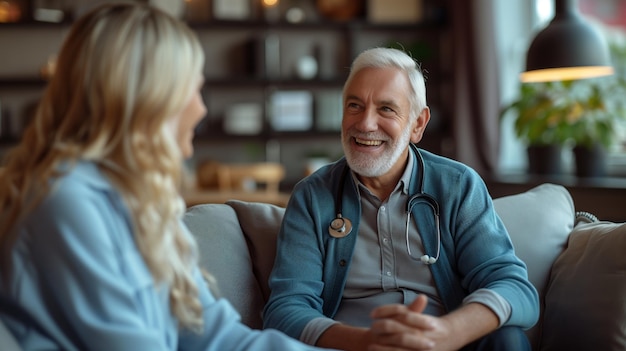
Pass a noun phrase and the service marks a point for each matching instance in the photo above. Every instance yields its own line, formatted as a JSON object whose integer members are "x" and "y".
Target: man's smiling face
{"x": 377, "y": 125}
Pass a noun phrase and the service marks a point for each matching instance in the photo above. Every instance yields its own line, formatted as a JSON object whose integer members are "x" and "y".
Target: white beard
{"x": 367, "y": 166}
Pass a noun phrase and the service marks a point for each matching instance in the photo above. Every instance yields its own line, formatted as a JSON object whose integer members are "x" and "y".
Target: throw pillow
{"x": 586, "y": 297}
{"x": 260, "y": 223}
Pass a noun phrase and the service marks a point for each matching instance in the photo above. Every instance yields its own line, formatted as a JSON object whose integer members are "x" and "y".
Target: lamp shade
{"x": 568, "y": 48}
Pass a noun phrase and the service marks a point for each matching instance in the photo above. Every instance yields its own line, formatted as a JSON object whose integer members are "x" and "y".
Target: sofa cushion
{"x": 7, "y": 340}
{"x": 586, "y": 297}
{"x": 539, "y": 222}
{"x": 224, "y": 255}
{"x": 260, "y": 223}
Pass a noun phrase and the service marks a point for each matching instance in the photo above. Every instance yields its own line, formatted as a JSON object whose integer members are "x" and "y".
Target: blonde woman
{"x": 94, "y": 253}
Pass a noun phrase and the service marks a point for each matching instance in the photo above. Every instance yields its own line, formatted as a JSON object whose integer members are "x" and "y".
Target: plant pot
{"x": 545, "y": 159}
{"x": 590, "y": 161}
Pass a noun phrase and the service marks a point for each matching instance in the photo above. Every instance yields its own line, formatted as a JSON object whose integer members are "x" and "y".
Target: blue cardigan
{"x": 311, "y": 267}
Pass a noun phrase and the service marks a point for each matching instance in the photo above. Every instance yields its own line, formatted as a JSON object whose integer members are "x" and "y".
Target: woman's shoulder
{"x": 79, "y": 202}
{"x": 80, "y": 190}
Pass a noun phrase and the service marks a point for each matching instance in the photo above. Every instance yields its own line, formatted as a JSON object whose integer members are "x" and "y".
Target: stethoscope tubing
{"x": 340, "y": 226}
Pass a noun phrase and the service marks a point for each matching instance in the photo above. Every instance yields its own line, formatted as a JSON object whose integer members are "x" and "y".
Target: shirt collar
{"x": 91, "y": 174}
{"x": 405, "y": 179}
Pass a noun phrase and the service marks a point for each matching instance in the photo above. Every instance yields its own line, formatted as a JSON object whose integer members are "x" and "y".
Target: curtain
{"x": 475, "y": 121}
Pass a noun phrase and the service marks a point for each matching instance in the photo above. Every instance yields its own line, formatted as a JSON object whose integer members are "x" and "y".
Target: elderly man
{"x": 394, "y": 247}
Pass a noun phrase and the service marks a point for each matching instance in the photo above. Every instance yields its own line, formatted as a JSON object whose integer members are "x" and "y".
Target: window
{"x": 514, "y": 38}
{"x": 610, "y": 17}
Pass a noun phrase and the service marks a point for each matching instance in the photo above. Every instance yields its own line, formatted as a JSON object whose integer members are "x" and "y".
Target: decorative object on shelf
{"x": 229, "y": 177}
{"x": 340, "y": 10}
{"x": 271, "y": 56}
{"x": 299, "y": 11}
{"x": 295, "y": 15}
{"x": 568, "y": 48}
{"x": 328, "y": 110}
{"x": 258, "y": 57}
{"x": 175, "y": 8}
{"x": 243, "y": 119}
{"x": 291, "y": 110}
{"x": 11, "y": 11}
{"x": 306, "y": 67}
{"x": 395, "y": 11}
{"x": 48, "y": 11}
{"x": 197, "y": 11}
{"x": 231, "y": 9}
{"x": 47, "y": 70}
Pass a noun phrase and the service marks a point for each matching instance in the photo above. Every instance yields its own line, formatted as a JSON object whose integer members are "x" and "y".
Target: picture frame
{"x": 291, "y": 110}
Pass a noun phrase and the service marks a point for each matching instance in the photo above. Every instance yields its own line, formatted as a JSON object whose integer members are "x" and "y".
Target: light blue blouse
{"x": 77, "y": 271}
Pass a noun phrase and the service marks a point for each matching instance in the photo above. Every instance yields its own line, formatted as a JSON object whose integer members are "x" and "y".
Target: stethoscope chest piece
{"x": 340, "y": 227}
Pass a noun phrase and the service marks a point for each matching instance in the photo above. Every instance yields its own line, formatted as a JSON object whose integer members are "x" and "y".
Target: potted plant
{"x": 595, "y": 120}
{"x": 540, "y": 123}
{"x": 583, "y": 113}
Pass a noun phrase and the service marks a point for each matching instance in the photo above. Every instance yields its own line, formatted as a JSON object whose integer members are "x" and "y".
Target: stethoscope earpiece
{"x": 428, "y": 259}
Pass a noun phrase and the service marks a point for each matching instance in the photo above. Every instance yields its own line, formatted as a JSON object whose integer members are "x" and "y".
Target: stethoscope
{"x": 340, "y": 227}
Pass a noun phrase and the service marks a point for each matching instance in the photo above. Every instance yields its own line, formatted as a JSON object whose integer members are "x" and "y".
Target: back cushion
{"x": 586, "y": 297}
{"x": 260, "y": 223}
{"x": 539, "y": 222}
{"x": 224, "y": 255}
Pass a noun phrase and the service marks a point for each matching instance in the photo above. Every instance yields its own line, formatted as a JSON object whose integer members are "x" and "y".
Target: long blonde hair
{"x": 123, "y": 71}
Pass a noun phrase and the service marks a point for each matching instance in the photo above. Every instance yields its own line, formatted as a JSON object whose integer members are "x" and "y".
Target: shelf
{"x": 218, "y": 136}
{"x": 602, "y": 196}
{"x": 31, "y": 82}
{"x": 568, "y": 180}
{"x": 351, "y": 25}
{"x": 260, "y": 82}
{"x": 232, "y": 82}
{"x": 239, "y": 70}
{"x": 66, "y": 23}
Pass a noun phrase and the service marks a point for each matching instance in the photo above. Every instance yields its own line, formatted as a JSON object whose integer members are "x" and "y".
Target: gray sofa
{"x": 579, "y": 270}
{"x": 578, "y": 265}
